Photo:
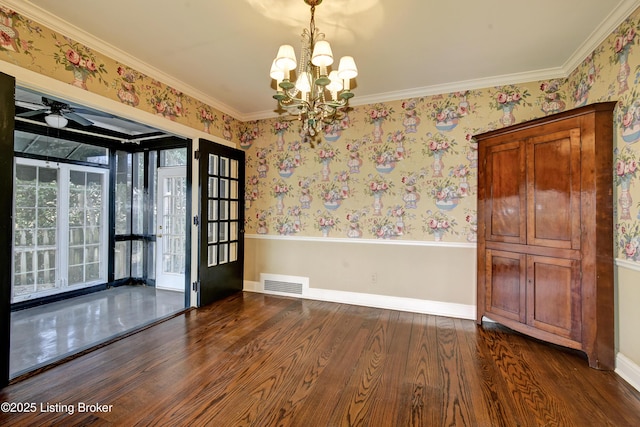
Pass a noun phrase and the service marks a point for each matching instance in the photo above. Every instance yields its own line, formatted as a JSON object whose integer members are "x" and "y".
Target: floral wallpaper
{"x": 403, "y": 170}
{"x": 407, "y": 169}
{"x": 27, "y": 44}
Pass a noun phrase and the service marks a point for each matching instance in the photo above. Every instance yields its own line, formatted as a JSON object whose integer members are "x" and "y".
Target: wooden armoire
{"x": 545, "y": 230}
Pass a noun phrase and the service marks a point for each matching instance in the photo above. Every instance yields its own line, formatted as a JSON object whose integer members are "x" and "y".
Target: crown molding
{"x": 624, "y": 9}
{"x": 501, "y": 80}
{"x": 608, "y": 25}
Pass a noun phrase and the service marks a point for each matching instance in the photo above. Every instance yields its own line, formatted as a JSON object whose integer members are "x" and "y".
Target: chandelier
{"x": 317, "y": 97}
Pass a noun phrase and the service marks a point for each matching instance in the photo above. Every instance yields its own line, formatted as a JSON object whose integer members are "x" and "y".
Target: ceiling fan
{"x": 57, "y": 114}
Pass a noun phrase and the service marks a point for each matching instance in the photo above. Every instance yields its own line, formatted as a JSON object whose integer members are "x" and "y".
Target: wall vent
{"x": 279, "y": 284}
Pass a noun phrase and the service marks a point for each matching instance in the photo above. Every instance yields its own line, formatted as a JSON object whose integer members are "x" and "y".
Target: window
{"x": 173, "y": 157}
{"x": 30, "y": 143}
{"x": 130, "y": 227}
{"x": 60, "y": 233}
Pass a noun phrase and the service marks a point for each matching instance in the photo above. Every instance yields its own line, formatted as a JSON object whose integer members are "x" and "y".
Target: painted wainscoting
{"x": 423, "y": 277}
{"x": 627, "y": 321}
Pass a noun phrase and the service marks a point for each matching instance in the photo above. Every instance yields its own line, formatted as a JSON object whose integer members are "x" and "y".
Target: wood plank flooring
{"x": 259, "y": 360}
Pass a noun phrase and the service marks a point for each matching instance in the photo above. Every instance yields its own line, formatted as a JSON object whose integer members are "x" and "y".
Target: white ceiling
{"x": 220, "y": 51}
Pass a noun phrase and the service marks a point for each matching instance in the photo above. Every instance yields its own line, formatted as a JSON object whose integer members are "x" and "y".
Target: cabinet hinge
{"x": 196, "y": 220}
{"x": 196, "y": 154}
{"x": 195, "y": 285}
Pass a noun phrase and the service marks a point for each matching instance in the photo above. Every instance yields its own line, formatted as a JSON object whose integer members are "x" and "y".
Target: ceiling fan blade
{"x": 76, "y": 118}
{"x": 54, "y": 104}
{"x": 91, "y": 112}
{"x": 32, "y": 113}
{"x": 30, "y": 105}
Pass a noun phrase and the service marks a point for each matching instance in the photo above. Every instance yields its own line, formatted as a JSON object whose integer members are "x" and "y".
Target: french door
{"x": 221, "y": 262}
{"x": 171, "y": 223}
{"x": 60, "y": 234}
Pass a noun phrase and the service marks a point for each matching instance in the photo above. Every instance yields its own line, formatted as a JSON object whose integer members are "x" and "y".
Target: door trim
{"x": 7, "y": 113}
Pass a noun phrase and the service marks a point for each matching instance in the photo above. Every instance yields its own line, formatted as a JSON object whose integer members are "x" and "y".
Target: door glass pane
{"x": 212, "y": 256}
{"x": 233, "y": 252}
{"x": 224, "y": 188}
{"x": 233, "y": 231}
{"x": 47, "y": 217}
{"x": 223, "y": 254}
{"x": 233, "y": 210}
{"x": 234, "y": 169}
{"x": 212, "y": 234}
{"x": 76, "y": 235}
{"x": 224, "y": 210}
{"x": 213, "y": 164}
{"x": 213, "y": 187}
{"x": 92, "y": 234}
{"x": 213, "y": 210}
{"x": 76, "y": 274}
{"x": 92, "y": 272}
{"x": 224, "y": 167}
{"x": 234, "y": 190}
{"x": 223, "y": 234}
{"x": 24, "y": 272}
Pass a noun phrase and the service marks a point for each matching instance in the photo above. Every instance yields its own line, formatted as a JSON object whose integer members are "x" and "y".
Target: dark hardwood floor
{"x": 258, "y": 360}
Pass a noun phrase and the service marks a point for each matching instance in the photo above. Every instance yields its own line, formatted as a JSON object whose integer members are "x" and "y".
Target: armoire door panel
{"x": 506, "y": 272}
{"x": 553, "y": 296}
{"x": 553, "y": 190}
{"x": 506, "y": 201}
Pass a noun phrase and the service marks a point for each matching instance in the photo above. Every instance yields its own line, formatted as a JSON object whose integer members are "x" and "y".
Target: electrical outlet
{"x": 374, "y": 278}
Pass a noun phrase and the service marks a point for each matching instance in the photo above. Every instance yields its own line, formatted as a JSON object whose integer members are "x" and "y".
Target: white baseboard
{"x": 628, "y": 370}
{"x": 438, "y": 308}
